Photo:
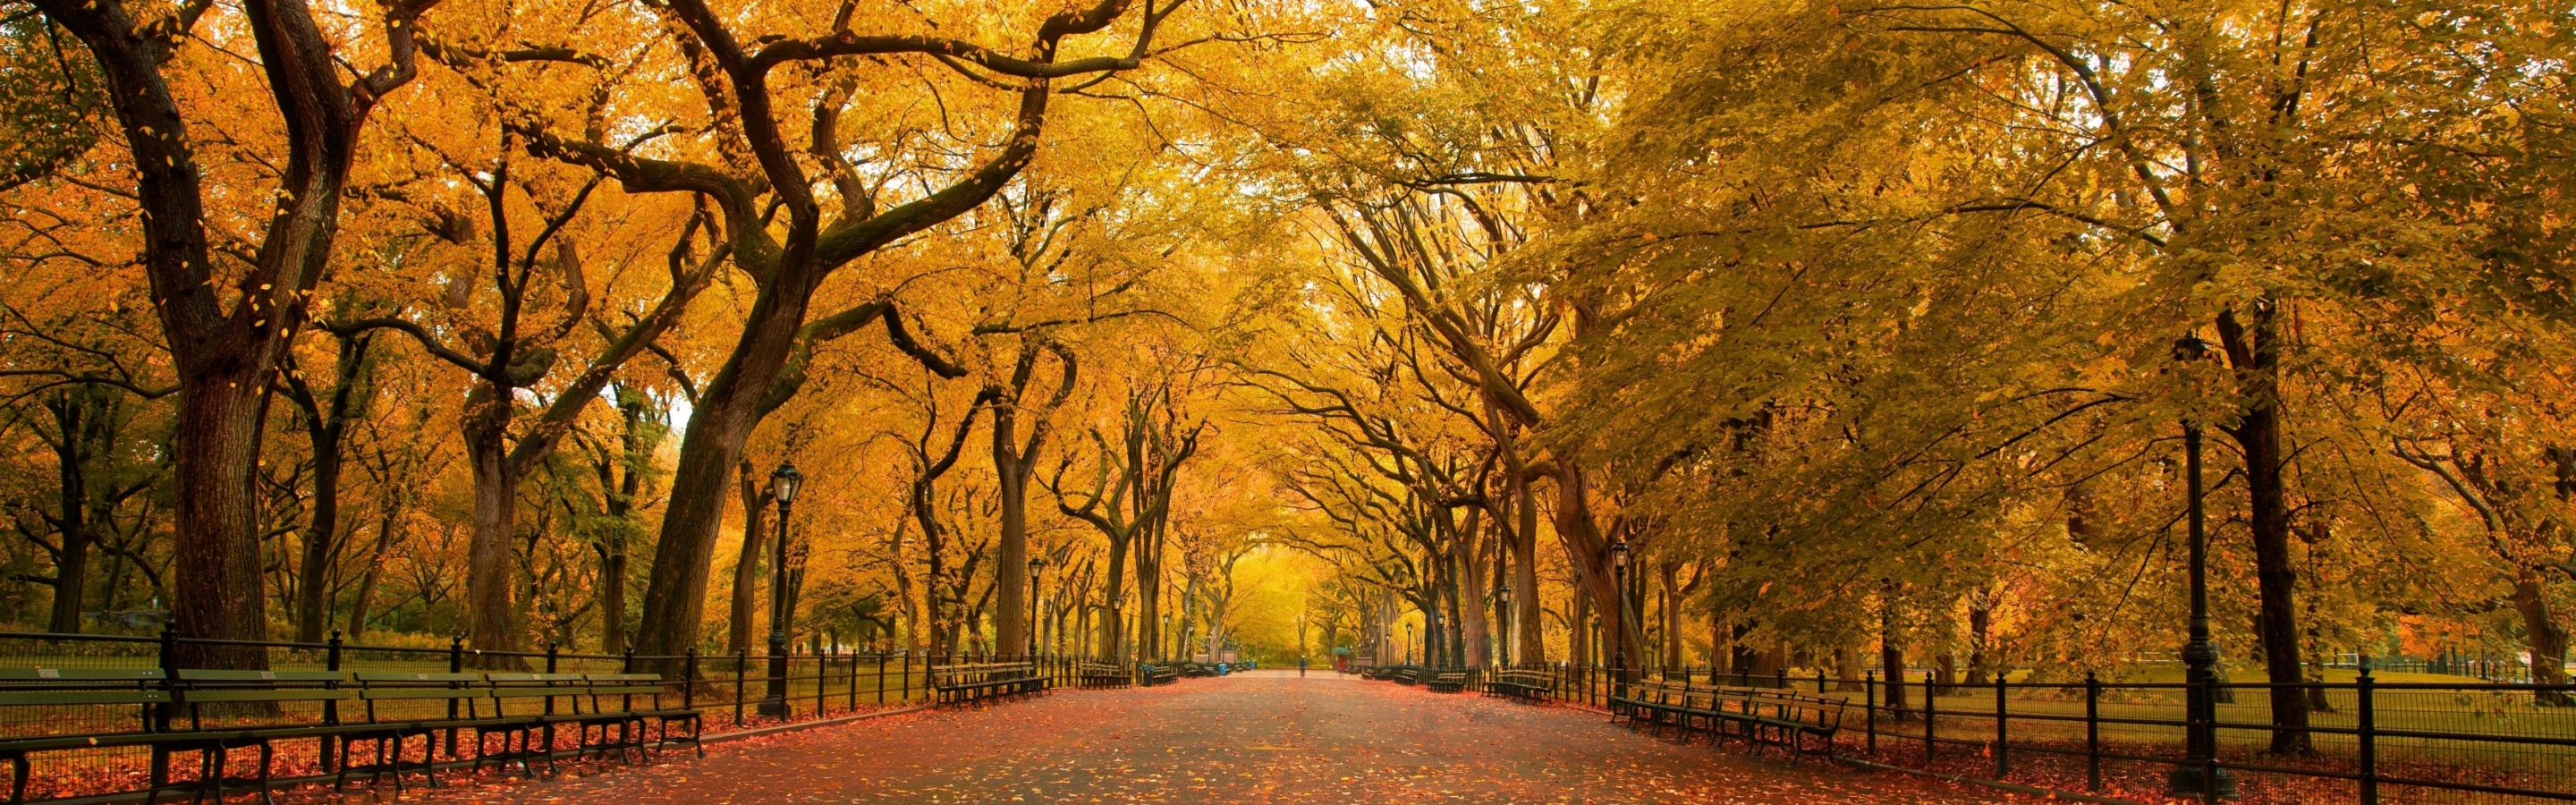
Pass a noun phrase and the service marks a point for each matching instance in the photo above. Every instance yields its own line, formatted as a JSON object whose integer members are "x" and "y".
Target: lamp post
{"x": 1036, "y": 564}
{"x": 2199, "y": 774}
{"x": 1408, "y": 644}
{"x": 1504, "y": 614}
{"x": 1619, "y": 581}
{"x": 783, "y": 483}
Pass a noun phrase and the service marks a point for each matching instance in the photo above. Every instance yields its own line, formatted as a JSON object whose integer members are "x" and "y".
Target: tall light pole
{"x": 783, "y": 483}
{"x": 1408, "y": 644}
{"x": 1619, "y": 581}
{"x": 1036, "y": 564}
{"x": 2199, "y": 774}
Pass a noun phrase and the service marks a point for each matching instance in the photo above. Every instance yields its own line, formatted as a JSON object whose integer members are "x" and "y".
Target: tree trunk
{"x": 746, "y": 567}
{"x": 1668, "y": 579}
{"x": 1530, "y": 618}
{"x": 366, "y": 596}
{"x": 1891, "y": 661}
{"x": 612, "y": 602}
{"x": 1010, "y": 573}
{"x": 2252, "y": 351}
{"x": 491, "y": 609}
{"x": 675, "y": 595}
{"x": 321, "y": 536}
{"x": 75, "y": 416}
{"x": 1980, "y": 619}
{"x": 2547, "y": 639}
{"x": 1475, "y": 634}
{"x": 1587, "y": 553}
{"x": 219, "y": 593}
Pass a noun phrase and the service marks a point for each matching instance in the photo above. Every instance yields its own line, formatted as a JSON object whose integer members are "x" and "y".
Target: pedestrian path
{"x": 1256, "y": 737}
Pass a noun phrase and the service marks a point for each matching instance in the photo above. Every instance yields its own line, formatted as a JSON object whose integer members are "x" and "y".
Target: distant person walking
{"x": 1301, "y": 666}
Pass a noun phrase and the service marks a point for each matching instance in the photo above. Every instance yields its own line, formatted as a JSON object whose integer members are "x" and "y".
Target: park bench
{"x": 1521, "y": 684}
{"x": 1759, "y": 716}
{"x": 1405, "y": 675}
{"x": 957, "y": 684}
{"x": 229, "y": 689}
{"x": 1098, "y": 674}
{"x": 1446, "y": 681}
{"x": 144, "y": 689}
{"x": 628, "y": 688}
{"x": 1158, "y": 674}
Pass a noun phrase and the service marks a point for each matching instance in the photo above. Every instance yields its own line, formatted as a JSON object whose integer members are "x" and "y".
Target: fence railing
{"x": 2371, "y": 741}
{"x": 729, "y": 688}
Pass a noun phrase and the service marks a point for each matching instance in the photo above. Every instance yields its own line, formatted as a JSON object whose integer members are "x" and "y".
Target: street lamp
{"x": 782, "y": 483}
{"x": 1619, "y": 581}
{"x": 1408, "y": 644}
{"x": 2199, "y": 774}
{"x": 1036, "y": 564}
{"x": 1503, "y": 643}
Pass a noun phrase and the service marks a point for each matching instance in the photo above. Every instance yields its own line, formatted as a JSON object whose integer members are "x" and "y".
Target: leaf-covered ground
{"x": 1267, "y": 737}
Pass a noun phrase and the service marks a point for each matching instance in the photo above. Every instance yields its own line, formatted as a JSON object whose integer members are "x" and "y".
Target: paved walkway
{"x": 1250, "y": 738}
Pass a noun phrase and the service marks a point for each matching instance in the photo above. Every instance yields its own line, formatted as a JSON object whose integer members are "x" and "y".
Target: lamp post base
{"x": 771, "y": 708}
{"x": 2186, "y": 781}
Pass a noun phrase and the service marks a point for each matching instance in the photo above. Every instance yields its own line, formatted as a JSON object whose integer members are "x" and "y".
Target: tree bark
{"x": 2546, "y": 639}
{"x": 490, "y": 601}
{"x": 2252, "y": 351}
{"x": 746, "y": 567}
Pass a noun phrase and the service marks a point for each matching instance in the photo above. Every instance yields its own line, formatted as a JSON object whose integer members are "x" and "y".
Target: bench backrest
{"x": 79, "y": 686}
{"x": 203, "y": 686}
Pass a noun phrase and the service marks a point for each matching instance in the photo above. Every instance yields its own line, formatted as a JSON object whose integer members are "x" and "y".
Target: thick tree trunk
{"x": 675, "y": 597}
{"x": 1010, "y": 574}
{"x": 1587, "y": 552}
{"x": 490, "y": 606}
{"x": 2253, "y": 352}
{"x": 2546, "y": 638}
{"x": 219, "y": 593}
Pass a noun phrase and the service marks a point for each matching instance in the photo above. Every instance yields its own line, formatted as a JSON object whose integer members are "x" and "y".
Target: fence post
{"x": 741, "y": 657}
{"x": 1869, "y": 694}
{"x": 907, "y": 676}
{"x": 2092, "y": 732}
{"x": 1820, "y": 680}
{"x": 1783, "y": 674}
{"x": 854, "y": 679}
{"x": 331, "y": 707}
{"x": 689, "y": 682}
{"x": 455, "y": 665}
{"x": 1929, "y": 720}
{"x": 881, "y": 663}
{"x": 2003, "y": 734}
{"x": 2367, "y": 725}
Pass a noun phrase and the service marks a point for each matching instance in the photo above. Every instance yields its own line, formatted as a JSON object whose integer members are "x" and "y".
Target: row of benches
{"x": 1521, "y": 684}
{"x": 524, "y": 709}
{"x": 1759, "y": 716}
{"x": 959, "y": 684}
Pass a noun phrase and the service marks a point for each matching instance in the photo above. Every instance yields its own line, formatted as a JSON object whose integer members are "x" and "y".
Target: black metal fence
{"x": 729, "y": 688}
{"x": 2371, "y": 742}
